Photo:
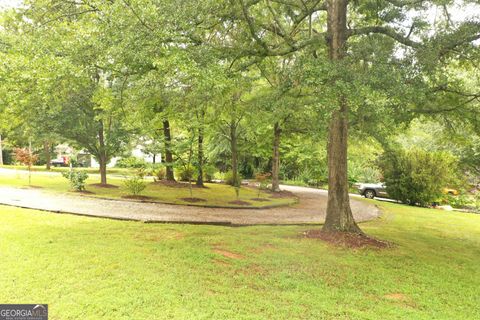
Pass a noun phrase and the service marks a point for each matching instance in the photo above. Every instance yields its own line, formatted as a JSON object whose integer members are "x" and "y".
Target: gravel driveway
{"x": 310, "y": 209}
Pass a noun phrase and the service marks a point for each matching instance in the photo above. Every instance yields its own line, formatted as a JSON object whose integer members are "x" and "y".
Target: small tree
{"x": 262, "y": 179}
{"x": 27, "y": 158}
{"x": 417, "y": 177}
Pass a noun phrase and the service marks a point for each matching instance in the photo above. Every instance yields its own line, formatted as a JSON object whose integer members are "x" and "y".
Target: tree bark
{"x": 168, "y": 151}
{"x": 234, "y": 150}
{"x": 1, "y": 151}
{"x": 46, "y": 150}
{"x": 339, "y": 214}
{"x": 200, "y": 157}
{"x": 102, "y": 155}
{"x": 277, "y": 131}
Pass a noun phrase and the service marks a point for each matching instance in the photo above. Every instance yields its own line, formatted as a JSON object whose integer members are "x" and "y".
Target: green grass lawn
{"x": 214, "y": 195}
{"x": 88, "y": 268}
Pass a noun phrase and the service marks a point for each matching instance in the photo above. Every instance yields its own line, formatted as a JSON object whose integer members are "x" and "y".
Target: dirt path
{"x": 310, "y": 209}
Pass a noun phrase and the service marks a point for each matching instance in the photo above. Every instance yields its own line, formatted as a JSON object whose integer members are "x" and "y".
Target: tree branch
{"x": 388, "y": 31}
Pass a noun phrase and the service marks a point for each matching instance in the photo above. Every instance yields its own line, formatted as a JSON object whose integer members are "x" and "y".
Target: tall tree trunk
{"x": 168, "y": 151}
{"x": 102, "y": 155}
{"x": 277, "y": 131}
{"x": 339, "y": 214}
{"x": 234, "y": 150}
{"x": 1, "y": 151}
{"x": 46, "y": 150}
{"x": 200, "y": 157}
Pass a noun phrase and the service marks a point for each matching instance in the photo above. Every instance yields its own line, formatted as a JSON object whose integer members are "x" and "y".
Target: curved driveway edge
{"x": 311, "y": 208}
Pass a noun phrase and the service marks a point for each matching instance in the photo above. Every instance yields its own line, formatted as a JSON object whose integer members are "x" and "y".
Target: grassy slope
{"x": 215, "y": 194}
{"x": 89, "y": 268}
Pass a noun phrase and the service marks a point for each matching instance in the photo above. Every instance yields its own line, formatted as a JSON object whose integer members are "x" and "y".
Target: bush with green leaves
{"x": 77, "y": 179}
{"x": 228, "y": 178}
{"x": 135, "y": 184}
{"x": 159, "y": 174}
{"x": 209, "y": 173}
{"x": 459, "y": 201}
{"x": 314, "y": 176}
{"x": 186, "y": 173}
{"x": 131, "y": 162}
{"x": 417, "y": 177}
{"x": 363, "y": 172}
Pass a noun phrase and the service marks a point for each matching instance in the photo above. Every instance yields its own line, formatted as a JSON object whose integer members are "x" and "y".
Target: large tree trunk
{"x": 168, "y": 151}
{"x": 102, "y": 155}
{"x": 234, "y": 150}
{"x": 339, "y": 214}
{"x": 277, "y": 131}
{"x": 1, "y": 151}
{"x": 200, "y": 157}
{"x": 46, "y": 150}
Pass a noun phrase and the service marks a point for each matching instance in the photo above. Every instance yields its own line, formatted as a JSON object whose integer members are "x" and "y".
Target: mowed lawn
{"x": 90, "y": 268}
{"x": 215, "y": 194}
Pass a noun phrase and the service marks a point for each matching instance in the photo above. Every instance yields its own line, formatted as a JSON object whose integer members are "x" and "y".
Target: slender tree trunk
{"x": 46, "y": 150}
{"x": 168, "y": 151}
{"x": 154, "y": 158}
{"x": 339, "y": 214}
{"x": 30, "y": 161}
{"x": 1, "y": 151}
{"x": 277, "y": 131}
{"x": 234, "y": 150}
{"x": 200, "y": 157}
{"x": 102, "y": 155}
{"x": 103, "y": 169}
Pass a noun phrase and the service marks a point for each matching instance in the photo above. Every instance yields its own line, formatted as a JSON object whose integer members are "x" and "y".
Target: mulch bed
{"x": 261, "y": 199}
{"x": 274, "y": 195}
{"x": 137, "y": 197}
{"x": 240, "y": 203}
{"x": 346, "y": 239}
{"x": 281, "y": 194}
{"x": 193, "y": 200}
{"x": 106, "y": 186}
{"x": 176, "y": 184}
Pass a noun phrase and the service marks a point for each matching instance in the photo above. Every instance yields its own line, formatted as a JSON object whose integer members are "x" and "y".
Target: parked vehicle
{"x": 372, "y": 190}
{"x": 379, "y": 190}
{"x": 60, "y": 162}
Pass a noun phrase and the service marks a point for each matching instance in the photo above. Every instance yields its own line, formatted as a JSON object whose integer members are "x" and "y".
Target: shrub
{"x": 314, "y": 176}
{"x": 131, "y": 162}
{"x": 460, "y": 201}
{"x": 186, "y": 173}
{"x": 135, "y": 184}
{"x": 417, "y": 176}
{"x": 362, "y": 172}
{"x": 77, "y": 179}
{"x": 229, "y": 179}
{"x": 209, "y": 173}
{"x": 159, "y": 174}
